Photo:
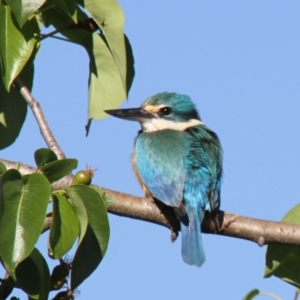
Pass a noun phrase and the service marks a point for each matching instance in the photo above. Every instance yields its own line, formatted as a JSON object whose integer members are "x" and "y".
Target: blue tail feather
{"x": 192, "y": 248}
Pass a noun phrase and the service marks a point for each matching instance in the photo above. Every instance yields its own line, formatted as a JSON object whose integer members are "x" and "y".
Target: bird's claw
{"x": 174, "y": 235}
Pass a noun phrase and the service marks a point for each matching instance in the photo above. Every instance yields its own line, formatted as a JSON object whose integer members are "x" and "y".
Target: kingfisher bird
{"x": 178, "y": 161}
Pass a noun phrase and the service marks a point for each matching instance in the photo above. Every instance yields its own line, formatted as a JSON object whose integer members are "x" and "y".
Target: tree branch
{"x": 40, "y": 118}
{"x": 222, "y": 223}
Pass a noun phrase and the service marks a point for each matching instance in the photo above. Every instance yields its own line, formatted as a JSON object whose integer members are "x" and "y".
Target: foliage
{"x": 78, "y": 212}
{"x": 283, "y": 261}
{"x": 109, "y": 50}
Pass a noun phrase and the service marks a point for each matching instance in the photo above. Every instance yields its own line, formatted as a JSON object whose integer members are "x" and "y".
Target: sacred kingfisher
{"x": 177, "y": 160}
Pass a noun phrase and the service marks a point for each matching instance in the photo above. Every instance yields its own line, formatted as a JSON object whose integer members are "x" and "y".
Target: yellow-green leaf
{"x": 105, "y": 85}
{"x": 23, "y": 9}
{"x": 283, "y": 261}
{"x": 111, "y": 59}
{"x": 110, "y": 18}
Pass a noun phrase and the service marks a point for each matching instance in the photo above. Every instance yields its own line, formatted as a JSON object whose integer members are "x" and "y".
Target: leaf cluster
{"x": 95, "y": 25}
{"x": 78, "y": 214}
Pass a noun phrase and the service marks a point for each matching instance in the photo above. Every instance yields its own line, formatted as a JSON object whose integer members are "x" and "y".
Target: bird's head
{"x": 162, "y": 111}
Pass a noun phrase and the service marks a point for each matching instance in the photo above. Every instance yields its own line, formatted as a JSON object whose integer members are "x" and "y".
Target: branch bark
{"x": 222, "y": 223}
{"x": 40, "y": 118}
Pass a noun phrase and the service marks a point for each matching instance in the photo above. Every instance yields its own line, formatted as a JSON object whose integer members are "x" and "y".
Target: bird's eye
{"x": 166, "y": 110}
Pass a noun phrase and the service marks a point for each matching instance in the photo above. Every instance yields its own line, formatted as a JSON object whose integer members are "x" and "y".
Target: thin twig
{"x": 50, "y": 34}
{"x": 40, "y": 118}
{"x": 261, "y": 232}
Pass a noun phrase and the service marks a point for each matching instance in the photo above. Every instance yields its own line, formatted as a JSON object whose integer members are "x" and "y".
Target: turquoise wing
{"x": 205, "y": 161}
{"x": 203, "y": 167}
{"x": 196, "y": 201}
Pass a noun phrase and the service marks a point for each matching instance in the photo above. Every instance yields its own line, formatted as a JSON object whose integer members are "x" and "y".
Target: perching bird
{"x": 177, "y": 160}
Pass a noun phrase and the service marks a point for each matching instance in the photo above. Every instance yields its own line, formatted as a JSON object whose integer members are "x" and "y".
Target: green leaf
{"x": 65, "y": 24}
{"x": 80, "y": 210}
{"x": 68, "y": 7}
{"x": 130, "y": 72}
{"x": 44, "y": 156}
{"x": 87, "y": 258}
{"x": 16, "y": 44}
{"x": 108, "y": 200}
{"x": 33, "y": 276}
{"x": 105, "y": 84}
{"x": 96, "y": 212}
{"x": 58, "y": 169}
{"x": 283, "y": 261}
{"x": 110, "y": 18}
{"x": 13, "y": 108}
{"x": 64, "y": 228}
{"x": 23, "y": 9}
{"x": 97, "y": 233}
{"x": 251, "y": 294}
{"x": 23, "y": 208}
{"x": 7, "y": 286}
{"x": 3, "y": 168}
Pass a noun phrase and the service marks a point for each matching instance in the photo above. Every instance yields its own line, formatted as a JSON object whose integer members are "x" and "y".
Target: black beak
{"x": 131, "y": 114}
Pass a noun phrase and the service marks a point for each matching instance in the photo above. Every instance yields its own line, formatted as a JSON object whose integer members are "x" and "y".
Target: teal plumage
{"x": 178, "y": 160}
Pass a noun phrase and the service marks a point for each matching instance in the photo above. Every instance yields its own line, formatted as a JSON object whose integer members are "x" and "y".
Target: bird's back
{"x": 206, "y": 155}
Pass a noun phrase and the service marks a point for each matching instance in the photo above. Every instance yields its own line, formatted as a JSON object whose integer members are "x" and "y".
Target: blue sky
{"x": 240, "y": 63}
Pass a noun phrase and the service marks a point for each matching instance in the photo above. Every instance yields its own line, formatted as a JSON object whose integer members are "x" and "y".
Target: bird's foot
{"x": 173, "y": 221}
